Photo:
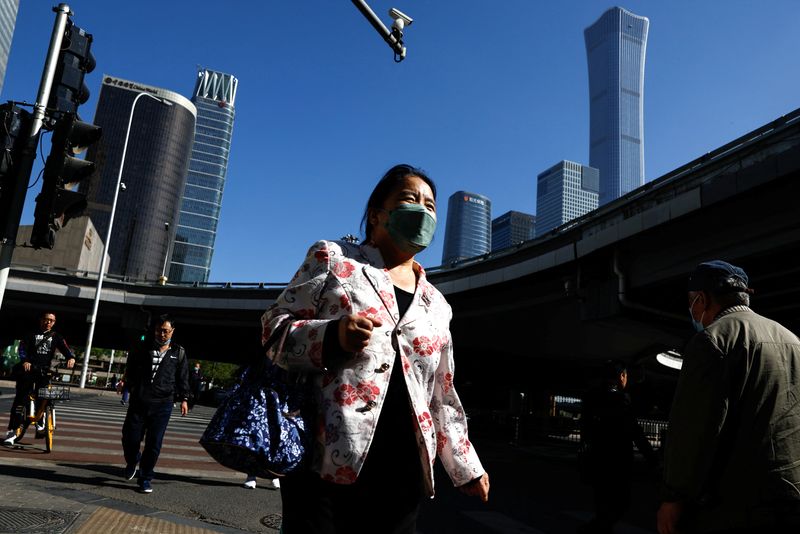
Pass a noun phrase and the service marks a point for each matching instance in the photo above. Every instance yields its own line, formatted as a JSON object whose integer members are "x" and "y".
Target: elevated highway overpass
{"x": 610, "y": 284}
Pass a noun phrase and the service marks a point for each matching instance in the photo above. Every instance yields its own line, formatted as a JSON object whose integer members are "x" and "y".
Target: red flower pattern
{"x": 425, "y": 421}
{"x": 315, "y": 353}
{"x": 345, "y": 395}
{"x": 424, "y": 346}
{"x": 441, "y": 441}
{"x": 344, "y": 302}
{"x": 463, "y": 446}
{"x": 321, "y": 255}
{"x": 345, "y": 475}
{"x": 406, "y": 364}
{"x": 343, "y": 269}
{"x": 367, "y": 391}
{"x": 447, "y": 382}
{"x": 266, "y": 331}
{"x": 388, "y": 298}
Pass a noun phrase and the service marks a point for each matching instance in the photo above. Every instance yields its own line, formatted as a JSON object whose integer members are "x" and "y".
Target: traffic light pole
{"x": 32, "y": 138}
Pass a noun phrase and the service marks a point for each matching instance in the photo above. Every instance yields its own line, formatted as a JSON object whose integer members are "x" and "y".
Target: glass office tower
{"x": 615, "y": 49}
{"x": 468, "y": 232}
{"x": 511, "y": 228}
{"x": 564, "y": 192}
{"x": 8, "y": 20}
{"x": 154, "y": 173}
{"x": 214, "y": 96}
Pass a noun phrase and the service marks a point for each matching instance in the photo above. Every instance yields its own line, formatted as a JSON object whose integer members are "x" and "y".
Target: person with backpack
{"x": 157, "y": 374}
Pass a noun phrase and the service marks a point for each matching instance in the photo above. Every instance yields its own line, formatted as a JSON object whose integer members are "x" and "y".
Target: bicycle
{"x": 41, "y": 406}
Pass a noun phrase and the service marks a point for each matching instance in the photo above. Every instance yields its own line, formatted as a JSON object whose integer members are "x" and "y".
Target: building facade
{"x": 615, "y": 50}
{"x": 215, "y": 98}
{"x": 154, "y": 173}
{"x": 564, "y": 192}
{"x": 512, "y": 228}
{"x": 78, "y": 247}
{"x": 8, "y": 20}
{"x": 468, "y": 232}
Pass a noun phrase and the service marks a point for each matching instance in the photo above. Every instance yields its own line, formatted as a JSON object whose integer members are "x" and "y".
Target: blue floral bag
{"x": 259, "y": 429}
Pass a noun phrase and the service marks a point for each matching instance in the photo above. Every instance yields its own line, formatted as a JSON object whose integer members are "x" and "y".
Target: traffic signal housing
{"x": 15, "y": 169}
{"x": 58, "y": 202}
{"x": 75, "y": 60}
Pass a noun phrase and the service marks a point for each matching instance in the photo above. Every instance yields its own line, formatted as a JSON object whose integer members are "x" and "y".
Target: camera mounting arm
{"x": 393, "y": 37}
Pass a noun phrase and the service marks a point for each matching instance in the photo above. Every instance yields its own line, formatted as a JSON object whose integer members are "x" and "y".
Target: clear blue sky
{"x": 491, "y": 94}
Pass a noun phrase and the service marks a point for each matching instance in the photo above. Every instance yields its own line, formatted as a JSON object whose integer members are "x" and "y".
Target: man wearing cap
{"x": 732, "y": 458}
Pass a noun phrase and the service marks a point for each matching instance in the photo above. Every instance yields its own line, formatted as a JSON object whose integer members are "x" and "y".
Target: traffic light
{"x": 14, "y": 168}
{"x": 57, "y": 203}
{"x": 75, "y": 60}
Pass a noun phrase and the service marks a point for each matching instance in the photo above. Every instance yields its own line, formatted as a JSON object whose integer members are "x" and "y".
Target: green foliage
{"x": 223, "y": 374}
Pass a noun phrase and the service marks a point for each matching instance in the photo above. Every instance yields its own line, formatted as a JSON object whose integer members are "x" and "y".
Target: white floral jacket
{"x": 338, "y": 279}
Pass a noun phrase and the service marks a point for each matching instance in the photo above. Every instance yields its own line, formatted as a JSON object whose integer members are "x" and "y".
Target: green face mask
{"x": 411, "y": 227}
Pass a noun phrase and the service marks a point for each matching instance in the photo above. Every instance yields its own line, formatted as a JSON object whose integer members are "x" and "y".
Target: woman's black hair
{"x": 385, "y": 187}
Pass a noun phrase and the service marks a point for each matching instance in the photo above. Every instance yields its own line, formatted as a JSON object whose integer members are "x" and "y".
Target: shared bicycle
{"x": 40, "y": 410}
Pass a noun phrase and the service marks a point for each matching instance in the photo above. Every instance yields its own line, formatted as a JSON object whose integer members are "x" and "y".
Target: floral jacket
{"x": 339, "y": 279}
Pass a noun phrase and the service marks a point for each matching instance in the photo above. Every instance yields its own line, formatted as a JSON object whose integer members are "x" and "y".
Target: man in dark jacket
{"x": 732, "y": 458}
{"x": 156, "y": 374}
{"x": 609, "y": 430}
{"x": 36, "y": 354}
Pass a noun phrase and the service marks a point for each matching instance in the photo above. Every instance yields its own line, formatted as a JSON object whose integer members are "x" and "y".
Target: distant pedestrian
{"x": 157, "y": 372}
{"x": 732, "y": 456}
{"x": 196, "y": 383}
{"x": 609, "y": 430}
{"x": 36, "y": 353}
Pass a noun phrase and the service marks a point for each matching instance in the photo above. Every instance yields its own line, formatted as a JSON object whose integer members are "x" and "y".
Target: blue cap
{"x": 718, "y": 275}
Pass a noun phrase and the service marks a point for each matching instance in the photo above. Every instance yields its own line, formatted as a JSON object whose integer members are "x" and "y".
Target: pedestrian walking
{"x": 156, "y": 374}
{"x": 732, "y": 457}
{"x": 372, "y": 335}
{"x": 36, "y": 353}
{"x": 609, "y": 430}
{"x": 196, "y": 383}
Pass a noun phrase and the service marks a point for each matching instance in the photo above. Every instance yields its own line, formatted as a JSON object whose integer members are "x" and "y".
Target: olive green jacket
{"x": 733, "y": 445}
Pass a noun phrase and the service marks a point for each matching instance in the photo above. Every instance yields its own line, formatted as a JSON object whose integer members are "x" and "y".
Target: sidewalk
{"x": 44, "y": 496}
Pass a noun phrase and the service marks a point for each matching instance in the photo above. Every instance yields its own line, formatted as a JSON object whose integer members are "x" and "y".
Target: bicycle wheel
{"x": 49, "y": 428}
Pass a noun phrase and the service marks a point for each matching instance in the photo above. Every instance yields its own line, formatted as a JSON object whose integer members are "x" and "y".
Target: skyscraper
{"x": 563, "y": 192}
{"x": 511, "y": 228}
{"x": 154, "y": 173}
{"x": 214, "y": 96}
{"x": 615, "y": 49}
{"x": 468, "y": 232}
{"x": 8, "y": 20}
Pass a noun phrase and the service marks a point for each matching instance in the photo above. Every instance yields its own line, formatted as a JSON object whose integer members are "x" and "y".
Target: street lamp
{"x": 93, "y": 317}
{"x": 162, "y": 280}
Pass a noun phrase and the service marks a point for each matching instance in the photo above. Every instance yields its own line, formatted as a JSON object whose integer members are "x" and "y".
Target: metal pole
{"x": 384, "y": 32}
{"x": 29, "y": 154}
{"x": 92, "y": 319}
{"x": 162, "y": 280}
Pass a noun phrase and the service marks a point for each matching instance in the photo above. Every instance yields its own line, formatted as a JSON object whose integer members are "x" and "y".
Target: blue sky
{"x": 491, "y": 94}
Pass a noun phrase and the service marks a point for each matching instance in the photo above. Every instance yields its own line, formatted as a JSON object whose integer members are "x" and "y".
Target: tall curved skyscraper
{"x": 615, "y": 49}
{"x": 215, "y": 98}
{"x": 154, "y": 173}
{"x": 468, "y": 232}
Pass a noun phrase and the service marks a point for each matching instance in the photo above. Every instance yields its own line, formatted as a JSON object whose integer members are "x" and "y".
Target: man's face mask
{"x": 411, "y": 227}
{"x": 697, "y": 324}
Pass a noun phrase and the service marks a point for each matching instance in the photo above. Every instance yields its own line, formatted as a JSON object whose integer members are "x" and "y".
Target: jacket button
{"x": 398, "y": 332}
{"x": 383, "y": 368}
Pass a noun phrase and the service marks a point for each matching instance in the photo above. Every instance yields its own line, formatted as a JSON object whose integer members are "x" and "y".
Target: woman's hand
{"x": 477, "y": 488}
{"x": 355, "y": 332}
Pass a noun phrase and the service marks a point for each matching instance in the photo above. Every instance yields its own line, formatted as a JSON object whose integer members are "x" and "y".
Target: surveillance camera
{"x": 401, "y": 20}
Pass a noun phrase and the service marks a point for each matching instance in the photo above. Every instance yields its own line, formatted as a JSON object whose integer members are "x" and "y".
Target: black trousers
{"x": 26, "y": 383}
{"x": 314, "y": 506}
{"x": 146, "y": 421}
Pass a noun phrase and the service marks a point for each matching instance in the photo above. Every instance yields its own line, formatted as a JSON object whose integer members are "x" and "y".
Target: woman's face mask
{"x": 411, "y": 227}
